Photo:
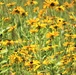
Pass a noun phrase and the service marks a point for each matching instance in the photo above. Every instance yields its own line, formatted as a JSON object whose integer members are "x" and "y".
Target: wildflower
{"x": 60, "y": 8}
{"x": 65, "y": 72}
{"x": 31, "y": 2}
{"x": 68, "y": 5}
{"x": 11, "y": 4}
{"x": 68, "y": 43}
{"x": 47, "y": 42}
{"x": 52, "y": 34}
{"x": 1, "y": 3}
{"x": 35, "y": 62}
{"x": 53, "y": 3}
{"x": 41, "y": 73}
{"x": 32, "y": 21}
{"x": 13, "y": 73}
{"x": 72, "y": 17}
{"x": 15, "y": 58}
{"x": 12, "y": 28}
{"x": 16, "y": 11}
{"x": 46, "y": 61}
{"x": 36, "y": 9}
{"x": 6, "y": 19}
{"x": 33, "y": 30}
{"x": 33, "y": 65}
{"x": 41, "y": 13}
{"x": 36, "y": 67}
{"x": 5, "y": 43}
{"x": 46, "y": 48}
{"x": 41, "y": 25}
{"x": 60, "y": 20}
{"x": 50, "y": 3}
{"x": 67, "y": 35}
{"x": 11, "y": 42}
{"x": 74, "y": 25}
{"x": 71, "y": 49}
{"x": 73, "y": 36}
{"x": 19, "y": 10}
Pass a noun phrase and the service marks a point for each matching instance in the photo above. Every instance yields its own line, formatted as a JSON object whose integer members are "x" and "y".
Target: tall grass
{"x": 37, "y": 37}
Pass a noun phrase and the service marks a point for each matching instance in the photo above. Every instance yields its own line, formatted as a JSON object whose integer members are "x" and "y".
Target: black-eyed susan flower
{"x": 11, "y": 4}
{"x": 6, "y": 19}
{"x": 68, "y": 5}
{"x": 31, "y": 2}
{"x": 68, "y": 43}
{"x": 60, "y": 20}
{"x": 36, "y": 9}
{"x": 32, "y": 21}
{"x": 14, "y": 58}
{"x": 60, "y": 8}
{"x": 33, "y": 30}
{"x": 19, "y": 10}
{"x": 52, "y": 34}
{"x": 50, "y": 3}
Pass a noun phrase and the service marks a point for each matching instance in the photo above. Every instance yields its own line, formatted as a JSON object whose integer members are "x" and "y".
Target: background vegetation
{"x": 37, "y": 37}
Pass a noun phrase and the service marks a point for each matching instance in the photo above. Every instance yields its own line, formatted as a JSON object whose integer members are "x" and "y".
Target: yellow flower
{"x": 60, "y": 20}
{"x": 15, "y": 58}
{"x": 11, "y": 4}
{"x": 50, "y": 3}
{"x": 52, "y": 34}
{"x": 33, "y": 30}
{"x": 65, "y": 72}
{"x": 68, "y": 5}
{"x": 71, "y": 49}
{"x": 73, "y": 36}
{"x": 13, "y": 73}
{"x": 47, "y": 61}
{"x": 31, "y": 2}
{"x": 27, "y": 63}
{"x": 4, "y": 42}
{"x": 60, "y": 8}
{"x": 7, "y": 42}
{"x": 41, "y": 13}
{"x": 6, "y": 19}
{"x": 32, "y": 21}
{"x": 1, "y": 3}
{"x": 36, "y": 62}
{"x": 46, "y": 48}
{"x": 47, "y": 42}
{"x": 12, "y": 28}
{"x": 40, "y": 73}
{"x": 42, "y": 25}
{"x": 72, "y": 17}
{"x": 19, "y": 10}
{"x": 67, "y": 35}
{"x": 37, "y": 66}
{"x": 16, "y": 11}
{"x": 35, "y": 9}
{"x": 68, "y": 43}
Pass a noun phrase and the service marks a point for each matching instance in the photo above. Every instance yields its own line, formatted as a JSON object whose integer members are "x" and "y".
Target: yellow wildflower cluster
{"x": 38, "y": 37}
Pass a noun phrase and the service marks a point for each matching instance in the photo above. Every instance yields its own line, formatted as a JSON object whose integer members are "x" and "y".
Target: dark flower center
{"x": 17, "y": 11}
{"x": 59, "y": 8}
{"x": 52, "y": 4}
{"x": 23, "y": 14}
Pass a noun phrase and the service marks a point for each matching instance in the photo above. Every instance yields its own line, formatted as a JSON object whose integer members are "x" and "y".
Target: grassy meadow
{"x": 37, "y": 37}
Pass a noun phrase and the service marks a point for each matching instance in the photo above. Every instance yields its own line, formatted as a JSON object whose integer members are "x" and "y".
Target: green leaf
{"x": 3, "y": 71}
{"x": 3, "y": 51}
{"x": 4, "y": 61}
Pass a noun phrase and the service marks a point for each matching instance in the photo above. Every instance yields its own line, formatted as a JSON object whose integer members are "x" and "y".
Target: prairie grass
{"x": 37, "y": 37}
